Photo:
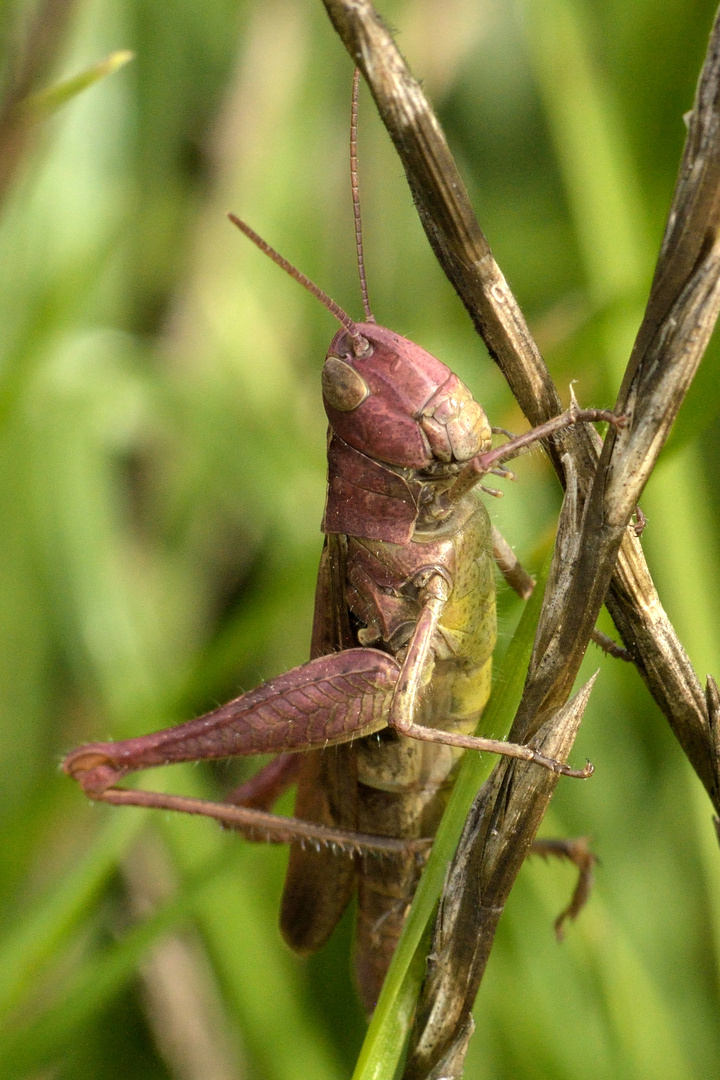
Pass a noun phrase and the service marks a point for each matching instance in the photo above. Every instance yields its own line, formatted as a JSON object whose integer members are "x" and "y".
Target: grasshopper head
{"x": 399, "y": 405}
{"x": 402, "y": 426}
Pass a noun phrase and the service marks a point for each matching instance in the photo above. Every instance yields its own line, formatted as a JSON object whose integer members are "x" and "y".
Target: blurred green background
{"x": 162, "y": 484}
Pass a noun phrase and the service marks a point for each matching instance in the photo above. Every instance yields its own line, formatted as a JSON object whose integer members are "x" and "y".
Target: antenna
{"x": 356, "y": 195}
{"x": 361, "y": 345}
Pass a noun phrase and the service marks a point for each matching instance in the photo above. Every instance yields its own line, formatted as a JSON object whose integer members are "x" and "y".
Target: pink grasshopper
{"x": 372, "y": 727}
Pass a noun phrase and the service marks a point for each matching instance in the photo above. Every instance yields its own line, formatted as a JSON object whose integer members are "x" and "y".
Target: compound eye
{"x": 343, "y": 387}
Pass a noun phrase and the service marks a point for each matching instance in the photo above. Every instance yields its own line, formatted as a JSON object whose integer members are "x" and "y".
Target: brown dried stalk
{"x": 596, "y": 550}
{"x": 499, "y": 831}
{"x": 490, "y": 855}
{"x": 180, "y": 992}
{"x": 680, "y": 315}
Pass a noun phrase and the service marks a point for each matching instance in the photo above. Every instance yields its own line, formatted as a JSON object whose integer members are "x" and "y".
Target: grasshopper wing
{"x": 320, "y": 882}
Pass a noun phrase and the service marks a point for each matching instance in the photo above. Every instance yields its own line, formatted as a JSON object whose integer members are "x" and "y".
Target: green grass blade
{"x": 93, "y": 985}
{"x": 592, "y": 150}
{"x": 43, "y": 931}
{"x": 45, "y": 102}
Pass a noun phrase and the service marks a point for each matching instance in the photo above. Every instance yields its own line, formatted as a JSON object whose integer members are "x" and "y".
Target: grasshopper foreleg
{"x": 484, "y": 463}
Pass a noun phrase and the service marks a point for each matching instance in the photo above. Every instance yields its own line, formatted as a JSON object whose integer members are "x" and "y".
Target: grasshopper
{"x": 373, "y": 726}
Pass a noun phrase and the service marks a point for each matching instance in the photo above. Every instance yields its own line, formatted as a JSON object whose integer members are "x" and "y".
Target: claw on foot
{"x": 562, "y": 769}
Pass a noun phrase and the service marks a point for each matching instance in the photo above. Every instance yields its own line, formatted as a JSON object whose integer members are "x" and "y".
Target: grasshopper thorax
{"x": 402, "y": 424}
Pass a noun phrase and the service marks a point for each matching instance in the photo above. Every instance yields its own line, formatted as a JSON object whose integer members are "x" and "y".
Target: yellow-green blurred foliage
{"x": 162, "y": 483}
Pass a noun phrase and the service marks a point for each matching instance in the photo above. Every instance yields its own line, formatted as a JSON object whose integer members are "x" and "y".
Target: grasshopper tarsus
{"x": 577, "y": 851}
{"x": 565, "y": 770}
{"x": 640, "y": 522}
{"x": 555, "y": 766}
